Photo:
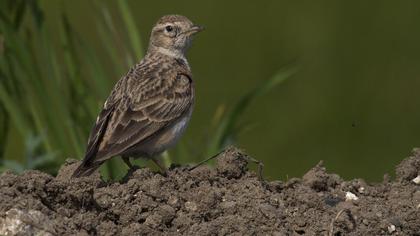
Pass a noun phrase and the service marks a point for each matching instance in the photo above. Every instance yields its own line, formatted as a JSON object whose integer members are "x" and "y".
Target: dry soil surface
{"x": 224, "y": 200}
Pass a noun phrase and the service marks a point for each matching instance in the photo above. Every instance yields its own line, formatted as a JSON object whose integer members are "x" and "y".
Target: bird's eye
{"x": 169, "y": 28}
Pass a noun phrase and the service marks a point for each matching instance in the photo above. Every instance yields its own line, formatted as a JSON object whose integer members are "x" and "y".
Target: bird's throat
{"x": 170, "y": 53}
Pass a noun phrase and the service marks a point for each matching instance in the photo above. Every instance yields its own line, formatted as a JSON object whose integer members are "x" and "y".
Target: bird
{"x": 149, "y": 108}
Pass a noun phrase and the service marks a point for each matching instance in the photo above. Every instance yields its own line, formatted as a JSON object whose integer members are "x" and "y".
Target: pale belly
{"x": 162, "y": 141}
{"x": 167, "y": 139}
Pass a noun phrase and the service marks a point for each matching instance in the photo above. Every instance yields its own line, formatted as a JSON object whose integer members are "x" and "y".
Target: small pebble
{"x": 351, "y": 196}
{"x": 191, "y": 206}
{"x": 361, "y": 190}
{"x": 417, "y": 180}
{"x": 391, "y": 228}
{"x": 173, "y": 200}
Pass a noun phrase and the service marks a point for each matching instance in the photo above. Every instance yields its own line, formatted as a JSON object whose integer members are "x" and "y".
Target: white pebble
{"x": 417, "y": 180}
{"x": 191, "y": 206}
{"x": 351, "y": 196}
{"x": 361, "y": 190}
{"x": 391, "y": 228}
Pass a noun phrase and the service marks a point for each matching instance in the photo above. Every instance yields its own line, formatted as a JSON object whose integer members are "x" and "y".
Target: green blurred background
{"x": 291, "y": 82}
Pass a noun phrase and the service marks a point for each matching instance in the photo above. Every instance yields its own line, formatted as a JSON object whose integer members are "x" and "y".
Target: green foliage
{"x": 54, "y": 88}
{"x": 228, "y": 125}
{"x": 50, "y": 92}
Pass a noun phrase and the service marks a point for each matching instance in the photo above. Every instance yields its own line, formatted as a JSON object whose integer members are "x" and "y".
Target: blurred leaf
{"x": 13, "y": 166}
{"x": 42, "y": 89}
{"x": 20, "y": 10}
{"x": 36, "y": 11}
{"x": 131, "y": 28}
{"x": 4, "y": 123}
{"x": 33, "y": 160}
{"x": 108, "y": 32}
{"x": 227, "y": 128}
{"x": 1, "y": 45}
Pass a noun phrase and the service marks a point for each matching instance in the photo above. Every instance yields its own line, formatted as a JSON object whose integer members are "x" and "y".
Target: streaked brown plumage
{"x": 149, "y": 108}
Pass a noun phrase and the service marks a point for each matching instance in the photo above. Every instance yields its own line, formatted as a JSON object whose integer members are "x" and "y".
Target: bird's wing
{"x": 147, "y": 105}
{"x": 99, "y": 130}
{"x": 97, "y": 133}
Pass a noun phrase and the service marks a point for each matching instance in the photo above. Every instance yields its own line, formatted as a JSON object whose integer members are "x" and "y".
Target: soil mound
{"x": 224, "y": 200}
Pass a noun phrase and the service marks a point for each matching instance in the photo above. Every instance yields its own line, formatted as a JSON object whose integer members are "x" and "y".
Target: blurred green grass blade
{"x": 57, "y": 108}
{"x": 14, "y": 111}
{"x": 131, "y": 29}
{"x": 36, "y": 11}
{"x": 67, "y": 42}
{"x": 107, "y": 32}
{"x": 20, "y": 11}
{"x": 226, "y": 128}
{"x": 4, "y": 128}
{"x": 181, "y": 153}
{"x": 98, "y": 75}
{"x": 57, "y": 89}
{"x": 93, "y": 85}
{"x": 15, "y": 73}
{"x": 77, "y": 86}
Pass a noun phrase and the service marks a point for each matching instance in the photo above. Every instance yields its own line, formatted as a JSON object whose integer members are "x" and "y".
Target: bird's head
{"x": 172, "y": 35}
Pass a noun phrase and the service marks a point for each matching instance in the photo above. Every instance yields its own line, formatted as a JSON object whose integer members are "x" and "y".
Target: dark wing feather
{"x": 98, "y": 131}
{"x": 96, "y": 135}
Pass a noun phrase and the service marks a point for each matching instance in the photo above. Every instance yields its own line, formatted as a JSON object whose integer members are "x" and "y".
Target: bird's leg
{"x": 126, "y": 160}
{"x": 160, "y": 164}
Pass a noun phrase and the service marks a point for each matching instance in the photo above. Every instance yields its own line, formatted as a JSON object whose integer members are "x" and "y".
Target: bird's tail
{"x": 85, "y": 169}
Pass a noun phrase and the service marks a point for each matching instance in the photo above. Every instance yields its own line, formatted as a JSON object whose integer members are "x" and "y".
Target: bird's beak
{"x": 194, "y": 29}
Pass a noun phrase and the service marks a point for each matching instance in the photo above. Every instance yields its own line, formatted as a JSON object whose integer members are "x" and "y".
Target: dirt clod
{"x": 224, "y": 200}
{"x": 409, "y": 168}
{"x": 232, "y": 163}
